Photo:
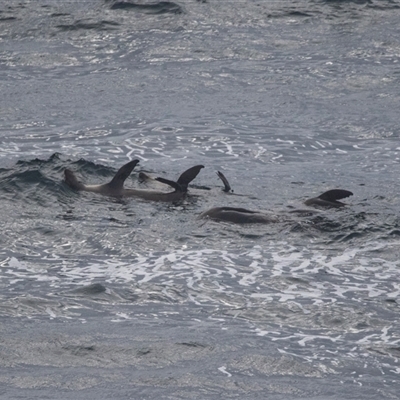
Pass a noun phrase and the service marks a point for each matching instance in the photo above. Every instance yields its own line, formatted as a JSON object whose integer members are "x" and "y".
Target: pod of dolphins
{"x": 115, "y": 188}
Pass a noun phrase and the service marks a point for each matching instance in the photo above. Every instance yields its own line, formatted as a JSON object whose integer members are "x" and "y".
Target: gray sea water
{"x": 108, "y": 298}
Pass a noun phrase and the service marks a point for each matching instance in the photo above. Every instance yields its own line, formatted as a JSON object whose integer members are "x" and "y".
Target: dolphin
{"x": 115, "y": 188}
{"x": 238, "y": 215}
{"x": 235, "y": 214}
{"x": 329, "y": 199}
{"x": 245, "y": 216}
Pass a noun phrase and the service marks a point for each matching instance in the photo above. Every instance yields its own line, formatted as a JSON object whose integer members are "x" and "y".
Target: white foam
{"x": 301, "y": 296}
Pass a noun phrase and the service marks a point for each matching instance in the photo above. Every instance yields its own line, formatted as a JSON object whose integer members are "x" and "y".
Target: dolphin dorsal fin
{"x": 187, "y": 176}
{"x": 183, "y": 181}
{"x": 173, "y": 184}
{"x": 335, "y": 194}
{"x": 227, "y": 186}
{"x": 117, "y": 182}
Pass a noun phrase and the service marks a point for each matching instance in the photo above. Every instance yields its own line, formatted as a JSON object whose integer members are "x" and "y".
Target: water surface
{"x": 130, "y": 299}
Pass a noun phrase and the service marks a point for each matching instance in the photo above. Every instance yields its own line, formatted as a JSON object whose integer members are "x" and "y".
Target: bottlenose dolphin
{"x": 115, "y": 187}
{"x": 235, "y": 214}
{"x": 244, "y": 216}
{"x": 238, "y": 215}
{"x": 329, "y": 199}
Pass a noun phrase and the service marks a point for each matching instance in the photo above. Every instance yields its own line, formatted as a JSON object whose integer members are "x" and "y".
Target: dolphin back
{"x": 335, "y": 194}
{"x": 238, "y": 215}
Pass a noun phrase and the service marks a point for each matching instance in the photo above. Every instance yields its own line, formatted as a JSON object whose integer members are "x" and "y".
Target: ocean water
{"x": 121, "y": 298}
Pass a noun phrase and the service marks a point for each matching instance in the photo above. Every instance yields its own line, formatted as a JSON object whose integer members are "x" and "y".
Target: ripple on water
{"x": 310, "y": 303}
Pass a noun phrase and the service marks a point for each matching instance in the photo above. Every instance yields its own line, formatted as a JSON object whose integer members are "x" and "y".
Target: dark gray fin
{"x": 117, "y": 183}
{"x": 188, "y": 176}
{"x": 72, "y": 181}
{"x": 335, "y": 194}
{"x": 227, "y": 187}
{"x": 175, "y": 185}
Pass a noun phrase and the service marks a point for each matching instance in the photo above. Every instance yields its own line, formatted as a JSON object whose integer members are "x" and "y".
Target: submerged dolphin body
{"x": 235, "y": 214}
{"x": 115, "y": 187}
{"x": 244, "y": 216}
{"x": 329, "y": 199}
{"x": 238, "y": 215}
